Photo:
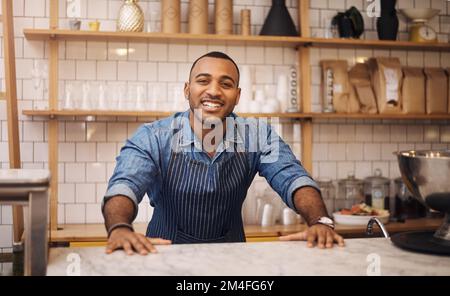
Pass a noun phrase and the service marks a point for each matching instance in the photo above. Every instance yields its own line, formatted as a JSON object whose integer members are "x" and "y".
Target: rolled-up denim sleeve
{"x": 284, "y": 172}
{"x": 135, "y": 169}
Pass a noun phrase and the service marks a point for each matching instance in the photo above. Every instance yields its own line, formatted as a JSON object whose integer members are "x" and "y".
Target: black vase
{"x": 387, "y": 23}
{"x": 279, "y": 21}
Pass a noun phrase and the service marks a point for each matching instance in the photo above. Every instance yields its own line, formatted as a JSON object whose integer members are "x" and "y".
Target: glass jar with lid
{"x": 328, "y": 194}
{"x": 350, "y": 192}
{"x": 376, "y": 190}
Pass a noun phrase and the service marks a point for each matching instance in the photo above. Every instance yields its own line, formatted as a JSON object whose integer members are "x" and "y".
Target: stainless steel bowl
{"x": 427, "y": 175}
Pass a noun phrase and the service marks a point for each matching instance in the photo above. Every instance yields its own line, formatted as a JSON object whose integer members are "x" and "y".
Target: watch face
{"x": 326, "y": 220}
{"x": 427, "y": 33}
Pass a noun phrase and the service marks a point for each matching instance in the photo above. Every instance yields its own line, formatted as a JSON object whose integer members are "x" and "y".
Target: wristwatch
{"x": 325, "y": 221}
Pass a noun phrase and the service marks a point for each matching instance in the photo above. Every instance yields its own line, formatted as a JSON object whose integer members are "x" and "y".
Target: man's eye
{"x": 202, "y": 81}
{"x": 227, "y": 85}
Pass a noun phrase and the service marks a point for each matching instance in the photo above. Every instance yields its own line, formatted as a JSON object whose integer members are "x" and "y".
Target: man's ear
{"x": 186, "y": 90}
{"x": 238, "y": 96}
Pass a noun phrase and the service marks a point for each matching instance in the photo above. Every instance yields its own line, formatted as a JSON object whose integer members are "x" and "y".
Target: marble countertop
{"x": 375, "y": 256}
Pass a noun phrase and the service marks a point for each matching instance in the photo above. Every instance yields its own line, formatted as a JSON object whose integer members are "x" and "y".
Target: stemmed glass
{"x": 86, "y": 87}
{"x": 102, "y": 97}
{"x": 68, "y": 99}
{"x": 44, "y": 76}
{"x": 36, "y": 76}
{"x": 140, "y": 96}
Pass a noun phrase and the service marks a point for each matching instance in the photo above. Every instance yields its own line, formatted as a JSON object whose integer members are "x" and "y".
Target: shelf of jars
{"x": 285, "y": 41}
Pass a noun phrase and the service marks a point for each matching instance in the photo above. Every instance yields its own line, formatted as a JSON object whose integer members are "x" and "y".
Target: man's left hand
{"x": 325, "y": 237}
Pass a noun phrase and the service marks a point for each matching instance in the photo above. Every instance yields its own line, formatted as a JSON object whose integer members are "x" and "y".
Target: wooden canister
{"x": 246, "y": 22}
{"x": 224, "y": 17}
{"x": 170, "y": 10}
{"x": 198, "y": 16}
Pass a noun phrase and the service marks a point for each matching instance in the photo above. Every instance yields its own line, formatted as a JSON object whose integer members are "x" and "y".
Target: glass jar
{"x": 376, "y": 191}
{"x": 328, "y": 194}
{"x": 350, "y": 192}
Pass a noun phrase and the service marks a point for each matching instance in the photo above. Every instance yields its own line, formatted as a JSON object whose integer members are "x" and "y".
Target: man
{"x": 196, "y": 167}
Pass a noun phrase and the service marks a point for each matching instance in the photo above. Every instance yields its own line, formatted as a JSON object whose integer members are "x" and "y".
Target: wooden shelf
{"x": 374, "y": 44}
{"x": 158, "y": 114}
{"x": 155, "y": 114}
{"x": 82, "y": 113}
{"x": 362, "y": 116}
{"x": 47, "y": 34}
{"x": 284, "y": 41}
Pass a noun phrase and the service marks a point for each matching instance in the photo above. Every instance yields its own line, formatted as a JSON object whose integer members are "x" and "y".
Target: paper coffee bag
{"x": 386, "y": 76}
{"x": 436, "y": 91}
{"x": 413, "y": 90}
{"x": 362, "y": 91}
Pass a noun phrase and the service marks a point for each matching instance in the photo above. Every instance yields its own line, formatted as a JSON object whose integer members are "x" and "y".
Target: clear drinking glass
{"x": 136, "y": 96}
{"x": 154, "y": 96}
{"x": 77, "y": 94}
{"x": 154, "y": 17}
{"x": 118, "y": 95}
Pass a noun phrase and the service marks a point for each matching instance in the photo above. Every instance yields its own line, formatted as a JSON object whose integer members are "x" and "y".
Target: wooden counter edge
{"x": 97, "y": 233}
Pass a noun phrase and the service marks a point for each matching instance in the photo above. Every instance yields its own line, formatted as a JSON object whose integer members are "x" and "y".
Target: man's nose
{"x": 214, "y": 89}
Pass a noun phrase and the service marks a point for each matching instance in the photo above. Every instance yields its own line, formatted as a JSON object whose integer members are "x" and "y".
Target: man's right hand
{"x": 131, "y": 242}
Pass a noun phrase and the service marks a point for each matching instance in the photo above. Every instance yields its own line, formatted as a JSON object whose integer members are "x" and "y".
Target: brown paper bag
{"x": 361, "y": 90}
{"x": 436, "y": 91}
{"x": 386, "y": 76}
{"x": 413, "y": 90}
{"x": 353, "y": 105}
{"x": 336, "y": 87}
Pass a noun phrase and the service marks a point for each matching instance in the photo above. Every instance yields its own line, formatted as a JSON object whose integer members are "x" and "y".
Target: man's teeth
{"x": 213, "y": 105}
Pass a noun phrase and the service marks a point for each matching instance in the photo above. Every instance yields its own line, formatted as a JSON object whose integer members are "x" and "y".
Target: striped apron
{"x": 202, "y": 202}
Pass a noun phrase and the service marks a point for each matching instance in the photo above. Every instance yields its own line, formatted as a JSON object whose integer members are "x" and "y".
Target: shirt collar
{"x": 232, "y": 136}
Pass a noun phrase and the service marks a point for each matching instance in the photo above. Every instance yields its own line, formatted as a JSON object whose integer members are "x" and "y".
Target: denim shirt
{"x": 144, "y": 159}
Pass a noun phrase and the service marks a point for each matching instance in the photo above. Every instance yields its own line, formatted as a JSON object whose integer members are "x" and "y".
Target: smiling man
{"x": 196, "y": 167}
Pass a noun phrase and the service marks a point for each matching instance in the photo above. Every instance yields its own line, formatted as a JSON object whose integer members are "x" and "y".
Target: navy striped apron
{"x": 202, "y": 202}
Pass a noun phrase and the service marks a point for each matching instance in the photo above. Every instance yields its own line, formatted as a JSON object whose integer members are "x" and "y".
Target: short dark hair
{"x": 217, "y": 55}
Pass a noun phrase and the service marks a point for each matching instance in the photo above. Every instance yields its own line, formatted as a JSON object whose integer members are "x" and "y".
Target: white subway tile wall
{"x": 87, "y": 150}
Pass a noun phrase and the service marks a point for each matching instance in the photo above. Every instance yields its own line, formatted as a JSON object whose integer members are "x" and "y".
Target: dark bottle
{"x": 387, "y": 23}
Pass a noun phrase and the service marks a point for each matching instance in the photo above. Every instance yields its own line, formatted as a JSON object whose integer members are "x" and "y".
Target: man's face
{"x": 213, "y": 88}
